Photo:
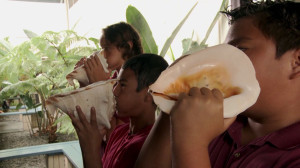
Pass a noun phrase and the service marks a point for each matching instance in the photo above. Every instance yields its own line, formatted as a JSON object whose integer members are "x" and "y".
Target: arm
{"x": 90, "y": 138}
{"x": 196, "y": 119}
{"x": 156, "y": 151}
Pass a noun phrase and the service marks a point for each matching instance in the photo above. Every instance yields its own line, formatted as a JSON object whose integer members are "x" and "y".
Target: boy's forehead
{"x": 104, "y": 42}
{"x": 125, "y": 74}
{"x": 241, "y": 30}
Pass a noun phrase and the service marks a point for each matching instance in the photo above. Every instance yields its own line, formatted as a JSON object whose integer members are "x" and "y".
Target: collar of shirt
{"x": 285, "y": 138}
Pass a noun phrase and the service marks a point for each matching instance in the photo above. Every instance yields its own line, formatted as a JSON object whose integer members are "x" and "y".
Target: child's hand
{"x": 94, "y": 69}
{"x": 197, "y": 117}
{"x": 90, "y": 136}
{"x": 80, "y": 62}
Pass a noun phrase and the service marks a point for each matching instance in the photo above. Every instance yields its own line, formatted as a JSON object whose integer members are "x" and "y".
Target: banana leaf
{"x": 137, "y": 20}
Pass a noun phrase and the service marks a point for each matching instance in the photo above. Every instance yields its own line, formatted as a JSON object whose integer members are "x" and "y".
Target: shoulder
{"x": 289, "y": 158}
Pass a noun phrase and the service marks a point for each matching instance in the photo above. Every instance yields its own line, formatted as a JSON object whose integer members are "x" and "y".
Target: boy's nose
{"x": 103, "y": 53}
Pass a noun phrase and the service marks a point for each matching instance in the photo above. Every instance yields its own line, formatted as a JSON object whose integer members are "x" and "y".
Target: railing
{"x": 70, "y": 149}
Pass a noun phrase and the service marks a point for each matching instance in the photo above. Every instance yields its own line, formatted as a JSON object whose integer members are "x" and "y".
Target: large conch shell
{"x": 98, "y": 95}
{"x": 80, "y": 74}
{"x": 223, "y": 67}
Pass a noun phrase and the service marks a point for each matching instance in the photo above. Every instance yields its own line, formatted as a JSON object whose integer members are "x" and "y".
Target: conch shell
{"x": 223, "y": 67}
{"x": 98, "y": 95}
{"x": 80, "y": 74}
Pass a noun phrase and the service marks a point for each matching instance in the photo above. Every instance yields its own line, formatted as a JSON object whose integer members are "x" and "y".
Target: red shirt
{"x": 123, "y": 149}
{"x": 278, "y": 149}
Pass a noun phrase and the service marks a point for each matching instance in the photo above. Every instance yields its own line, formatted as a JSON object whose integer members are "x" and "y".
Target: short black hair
{"x": 120, "y": 34}
{"x": 277, "y": 20}
{"x": 147, "y": 68}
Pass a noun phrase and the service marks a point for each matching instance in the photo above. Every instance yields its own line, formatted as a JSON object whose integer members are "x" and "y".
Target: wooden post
{"x": 59, "y": 161}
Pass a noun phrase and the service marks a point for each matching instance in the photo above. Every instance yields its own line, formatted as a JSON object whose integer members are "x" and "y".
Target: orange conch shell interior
{"x": 211, "y": 77}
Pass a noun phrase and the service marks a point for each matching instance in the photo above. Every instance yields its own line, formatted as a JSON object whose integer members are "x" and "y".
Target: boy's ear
{"x": 130, "y": 44}
{"x": 296, "y": 65}
{"x": 148, "y": 96}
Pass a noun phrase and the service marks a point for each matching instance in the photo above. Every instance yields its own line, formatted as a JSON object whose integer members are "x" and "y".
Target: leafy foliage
{"x": 40, "y": 65}
{"x": 137, "y": 20}
{"x": 191, "y": 46}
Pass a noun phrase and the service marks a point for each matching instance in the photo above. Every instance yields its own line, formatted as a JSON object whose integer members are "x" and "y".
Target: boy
{"x": 266, "y": 134}
{"x": 133, "y": 101}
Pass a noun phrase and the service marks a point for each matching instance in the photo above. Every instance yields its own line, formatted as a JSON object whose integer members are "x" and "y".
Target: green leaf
{"x": 19, "y": 106}
{"x": 40, "y": 113}
{"x": 137, "y": 20}
{"x": 27, "y": 100}
{"x": 174, "y": 33}
{"x": 212, "y": 25}
{"x": 6, "y": 82}
{"x": 66, "y": 125}
{"x": 96, "y": 42}
{"x": 29, "y": 33}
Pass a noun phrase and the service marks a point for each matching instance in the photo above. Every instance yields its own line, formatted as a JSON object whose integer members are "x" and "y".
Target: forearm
{"x": 186, "y": 151}
{"x": 156, "y": 151}
{"x": 91, "y": 160}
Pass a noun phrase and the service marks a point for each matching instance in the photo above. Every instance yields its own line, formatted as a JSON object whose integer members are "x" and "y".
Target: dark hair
{"x": 278, "y": 21}
{"x": 147, "y": 68}
{"x": 120, "y": 34}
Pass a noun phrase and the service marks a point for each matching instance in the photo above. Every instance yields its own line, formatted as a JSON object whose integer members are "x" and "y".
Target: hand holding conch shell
{"x": 89, "y": 134}
{"x": 204, "y": 107}
{"x": 93, "y": 67}
{"x": 98, "y": 95}
{"x": 223, "y": 67}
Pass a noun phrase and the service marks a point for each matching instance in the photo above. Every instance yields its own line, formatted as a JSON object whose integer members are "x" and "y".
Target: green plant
{"x": 135, "y": 18}
{"x": 40, "y": 65}
{"x": 190, "y": 46}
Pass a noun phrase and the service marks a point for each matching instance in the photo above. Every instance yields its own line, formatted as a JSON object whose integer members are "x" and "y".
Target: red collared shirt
{"x": 280, "y": 149}
{"x": 123, "y": 149}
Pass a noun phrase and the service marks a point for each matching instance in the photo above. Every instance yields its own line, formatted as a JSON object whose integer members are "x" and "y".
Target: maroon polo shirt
{"x": 278, "y": 149}
{"x": 123, "y": 149}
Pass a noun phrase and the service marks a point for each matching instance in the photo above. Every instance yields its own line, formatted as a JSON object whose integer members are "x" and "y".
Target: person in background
{"x": 132, "y": 100}
{"x": 195, "y": 134}
{"x": 119, "y": 42}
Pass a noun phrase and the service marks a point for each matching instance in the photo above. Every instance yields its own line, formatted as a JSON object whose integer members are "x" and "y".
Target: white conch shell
{"x": 80, "y": 74}
{"x": 223, "y": 66}
{"x": 98, "y": 95}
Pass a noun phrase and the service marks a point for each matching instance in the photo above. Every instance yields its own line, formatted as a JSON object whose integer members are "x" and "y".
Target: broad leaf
{"x": 137, "y": 20}
{"x": 30, "y": 34}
